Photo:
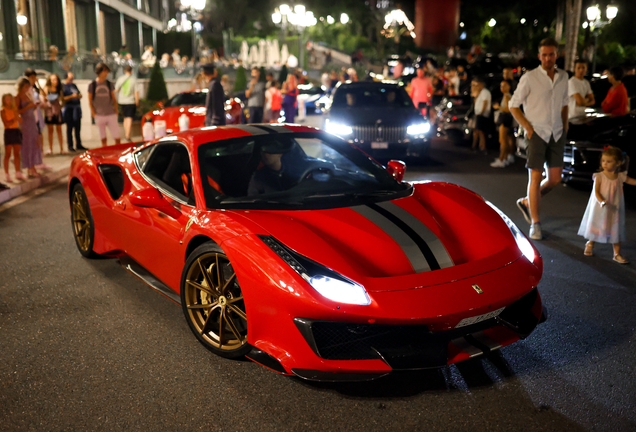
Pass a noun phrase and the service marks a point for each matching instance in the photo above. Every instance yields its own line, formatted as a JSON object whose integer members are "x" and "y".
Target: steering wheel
{"x": 315, "y": 171}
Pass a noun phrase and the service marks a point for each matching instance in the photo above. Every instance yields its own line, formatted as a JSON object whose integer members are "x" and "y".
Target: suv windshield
{"x": 292, "y": 171}
{"x": 187, "y": 99}
{"x": 385, "y": 96}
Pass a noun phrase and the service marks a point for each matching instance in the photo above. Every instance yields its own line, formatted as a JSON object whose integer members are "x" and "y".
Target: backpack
{"x": 108, "y": 83}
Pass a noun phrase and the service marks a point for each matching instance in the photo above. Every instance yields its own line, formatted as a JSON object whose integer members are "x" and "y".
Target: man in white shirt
{"x": 544, "y": 94}
{"x": 483, "y": 103}
{"x": 579, "y": 91}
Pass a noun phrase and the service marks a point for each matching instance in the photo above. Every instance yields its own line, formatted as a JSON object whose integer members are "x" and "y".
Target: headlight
{"x": 522, "y": 242}
{"x": 338, "y": 128}
{"x": 419, "y": 129}
{"x": 339, "y": 290}
{"x": 325, "y": 281}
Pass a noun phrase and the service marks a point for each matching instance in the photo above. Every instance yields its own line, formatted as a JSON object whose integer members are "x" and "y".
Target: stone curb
{"x": 31, "y": 184}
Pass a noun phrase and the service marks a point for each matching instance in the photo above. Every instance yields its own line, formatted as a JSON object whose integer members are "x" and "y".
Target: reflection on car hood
{"x": 370, "y": 115}
{"x": 402, "y": 237}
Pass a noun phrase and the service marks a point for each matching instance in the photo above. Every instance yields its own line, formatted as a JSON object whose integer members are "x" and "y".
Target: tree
{"x": 572, "y": 9}
{"x": 241, "y": 80}
{"x": 157, "y": 90}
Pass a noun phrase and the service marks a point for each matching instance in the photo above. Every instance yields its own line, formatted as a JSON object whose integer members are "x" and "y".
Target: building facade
{"x": 83, "y": 28}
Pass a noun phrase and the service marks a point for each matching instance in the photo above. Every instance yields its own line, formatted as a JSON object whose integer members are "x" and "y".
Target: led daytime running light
{"x": 523, "y": 243}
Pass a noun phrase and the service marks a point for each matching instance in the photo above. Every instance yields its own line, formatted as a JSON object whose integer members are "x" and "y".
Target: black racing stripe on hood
{"x": 419, "y": 241}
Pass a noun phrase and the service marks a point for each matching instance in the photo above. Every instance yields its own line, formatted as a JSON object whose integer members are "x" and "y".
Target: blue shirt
{"x": 70, "y": 89}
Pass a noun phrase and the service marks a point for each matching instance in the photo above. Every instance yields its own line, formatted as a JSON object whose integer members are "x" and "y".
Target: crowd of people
{"x": 543, "y": 101}
{"x": 33, "y": 108}
{"x": 266, "y": 96}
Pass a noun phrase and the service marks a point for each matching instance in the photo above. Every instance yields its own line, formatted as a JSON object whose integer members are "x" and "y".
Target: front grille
{"x": 405, "y": 346}
{"x": 381, "y": 133}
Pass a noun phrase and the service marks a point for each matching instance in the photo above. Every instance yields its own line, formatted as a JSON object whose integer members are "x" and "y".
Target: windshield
{"x": 389, "y": 96}
{"x": 187, "y": 98}
{"x": 292, "y": 171}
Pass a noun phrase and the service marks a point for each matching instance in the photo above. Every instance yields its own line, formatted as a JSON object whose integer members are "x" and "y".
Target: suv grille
{"x": 379, "y": 133}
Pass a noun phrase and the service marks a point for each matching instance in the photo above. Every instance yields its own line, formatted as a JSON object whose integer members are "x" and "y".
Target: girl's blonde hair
{"x": 621, "y": 158}
{"x": 4, "y": 105}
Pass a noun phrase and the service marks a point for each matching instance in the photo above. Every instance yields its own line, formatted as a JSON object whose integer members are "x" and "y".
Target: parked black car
{"x": 380, "y": 118}
{"x": 453, "y": 113}
{"x": 587, "y": 139}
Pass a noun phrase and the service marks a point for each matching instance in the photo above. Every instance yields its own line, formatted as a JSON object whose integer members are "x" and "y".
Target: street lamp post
{"x": 596, "y": 24}
{"x": 193, "y": 8}
{"x": 299, "y": 18}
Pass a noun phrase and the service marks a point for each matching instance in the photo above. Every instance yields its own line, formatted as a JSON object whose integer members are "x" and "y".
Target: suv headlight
{"x": 523, "y": 243}
{"x": 325, "y": 281}
{"x": 419, "y": 128}
{"x": 338, "y": 128}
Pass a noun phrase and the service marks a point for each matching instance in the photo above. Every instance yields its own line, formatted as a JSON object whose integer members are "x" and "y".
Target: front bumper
{"x": 428, "y": 315}
{"x": 410, "y": 347}
{"x": 404, "y": 148}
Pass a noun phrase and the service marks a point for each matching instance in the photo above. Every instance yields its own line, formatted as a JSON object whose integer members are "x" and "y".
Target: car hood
{"x": 371, "y": 115}
{"x": 441, "y": 231}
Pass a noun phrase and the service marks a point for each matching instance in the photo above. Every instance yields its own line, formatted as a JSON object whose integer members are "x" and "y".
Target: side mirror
{"x": 160, "y": 105}
{"x": 422, "y": 105}
{"x": 152, "y": 198}
{"x": 397, "y": 169}
{"x": 149, "y": 197}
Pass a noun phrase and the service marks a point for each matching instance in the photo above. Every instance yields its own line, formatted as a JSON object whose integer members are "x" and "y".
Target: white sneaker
{"x": 510, "y": 159}
{"x": 498, "y": 163}
{"x": 535, "y": 232}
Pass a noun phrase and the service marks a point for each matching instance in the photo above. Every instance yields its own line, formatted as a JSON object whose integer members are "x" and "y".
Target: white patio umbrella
{"x": 243, "y": 55}
{"x": 270, "y": 54}
{"x": 262, "y": 52}
{"x": 275, "y": 52}
{"x": 253, "y": 58}
{"x": 284, "y": 53}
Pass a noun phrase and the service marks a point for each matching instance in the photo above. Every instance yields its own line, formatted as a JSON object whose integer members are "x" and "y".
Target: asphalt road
{"x": 86, "y": 346}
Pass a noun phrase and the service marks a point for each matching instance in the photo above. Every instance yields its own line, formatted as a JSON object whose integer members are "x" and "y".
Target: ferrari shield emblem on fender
{"x": 189, "y": 224}
{"x": 479, "y": 290}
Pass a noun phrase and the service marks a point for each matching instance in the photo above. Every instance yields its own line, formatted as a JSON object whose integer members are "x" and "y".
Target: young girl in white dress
{"x": 604, "y": 218}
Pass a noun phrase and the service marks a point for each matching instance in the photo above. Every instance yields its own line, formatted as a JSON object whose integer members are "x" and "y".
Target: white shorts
{"x": 111, "y": 122}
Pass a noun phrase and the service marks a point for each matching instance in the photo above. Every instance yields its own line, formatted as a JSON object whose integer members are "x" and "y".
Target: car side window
{"x": 142, "y": 156}
{"x": 168, "y": 166}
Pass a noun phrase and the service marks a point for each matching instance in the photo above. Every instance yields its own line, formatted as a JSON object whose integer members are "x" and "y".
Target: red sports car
{"x": 192, "y": 103}
{"x": 292, "y": 247}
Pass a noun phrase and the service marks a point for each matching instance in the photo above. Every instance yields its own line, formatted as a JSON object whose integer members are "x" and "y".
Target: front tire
{"x": 82, "y": 221}
{"x": 213, "y": 303}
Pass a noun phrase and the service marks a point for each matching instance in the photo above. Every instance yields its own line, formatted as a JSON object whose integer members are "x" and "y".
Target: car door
{"x": 154, "y": 234}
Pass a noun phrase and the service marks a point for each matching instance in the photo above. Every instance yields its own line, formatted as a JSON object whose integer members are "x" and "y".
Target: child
{"x": 12, "y": 136}
{"x": 276, "y": 99}
{"x": 604, "y": 218}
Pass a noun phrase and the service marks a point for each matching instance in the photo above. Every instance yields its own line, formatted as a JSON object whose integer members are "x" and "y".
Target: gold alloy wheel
{"x": 214, "y": 303}
{"x": 81, "y": 220}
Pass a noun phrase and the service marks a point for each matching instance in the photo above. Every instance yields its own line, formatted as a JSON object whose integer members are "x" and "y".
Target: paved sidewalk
{"x": 59, "y": 165}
